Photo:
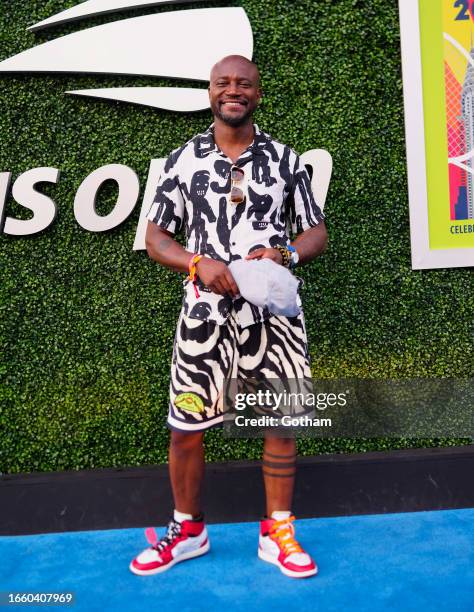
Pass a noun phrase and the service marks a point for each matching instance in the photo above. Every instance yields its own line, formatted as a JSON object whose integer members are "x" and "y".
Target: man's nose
{"x": 232, "y": 88}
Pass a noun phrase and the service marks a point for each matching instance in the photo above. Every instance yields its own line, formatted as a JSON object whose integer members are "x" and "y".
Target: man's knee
{"x": 186, "y": 442}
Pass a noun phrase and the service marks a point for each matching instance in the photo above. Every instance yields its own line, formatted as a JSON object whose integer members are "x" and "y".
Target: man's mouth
{"x": 234, "y": 104}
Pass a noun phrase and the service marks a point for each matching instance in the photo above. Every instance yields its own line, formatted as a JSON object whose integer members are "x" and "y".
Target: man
{"x": 236, "y": 192}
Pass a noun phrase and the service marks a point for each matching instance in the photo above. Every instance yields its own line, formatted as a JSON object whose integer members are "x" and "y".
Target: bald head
{"x": 236, "y": 64}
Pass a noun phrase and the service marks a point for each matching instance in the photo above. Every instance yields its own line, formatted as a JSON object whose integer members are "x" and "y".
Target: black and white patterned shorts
{"x": 205, "y": 354}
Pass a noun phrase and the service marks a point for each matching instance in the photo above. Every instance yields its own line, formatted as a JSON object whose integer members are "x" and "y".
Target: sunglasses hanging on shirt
{"x": 237, "y": 175}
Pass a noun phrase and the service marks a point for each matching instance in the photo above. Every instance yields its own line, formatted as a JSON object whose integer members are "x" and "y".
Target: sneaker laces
{"x": 283, "y": 533}
{"x": 173, "y": 531}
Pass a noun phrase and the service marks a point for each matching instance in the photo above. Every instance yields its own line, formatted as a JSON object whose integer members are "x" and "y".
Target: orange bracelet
{"x": 192, "y": 271}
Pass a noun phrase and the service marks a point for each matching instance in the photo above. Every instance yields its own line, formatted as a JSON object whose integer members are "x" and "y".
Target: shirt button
{"x": 233, "y": 243}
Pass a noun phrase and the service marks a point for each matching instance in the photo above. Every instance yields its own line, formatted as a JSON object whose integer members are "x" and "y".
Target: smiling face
{"x": 234, "y": 90}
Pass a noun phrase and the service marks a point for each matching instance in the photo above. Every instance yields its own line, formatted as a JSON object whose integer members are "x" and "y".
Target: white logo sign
{"x": 180, "y": 44}
{"x": 44, "y": 208}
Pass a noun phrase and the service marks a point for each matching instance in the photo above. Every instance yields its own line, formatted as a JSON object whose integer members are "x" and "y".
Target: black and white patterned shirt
{"x": 193, "y": 195}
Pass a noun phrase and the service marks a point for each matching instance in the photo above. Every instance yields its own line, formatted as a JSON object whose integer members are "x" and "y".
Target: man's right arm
{"x": 161, "y": 247}
{"x": 164, "y": 249}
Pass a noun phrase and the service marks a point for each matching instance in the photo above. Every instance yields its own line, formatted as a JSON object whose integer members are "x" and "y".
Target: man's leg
{"x": 186, "y": 536}
{"x": 281, "y": 344}
{"x": 186, "y": 467}
{"x": 279, "y": 468}
{"x": 196, "y": 375}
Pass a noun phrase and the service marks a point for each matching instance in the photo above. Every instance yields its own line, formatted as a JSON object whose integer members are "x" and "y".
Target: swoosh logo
{"x": 180, "y": 44}
{"x": 92, "y": 8}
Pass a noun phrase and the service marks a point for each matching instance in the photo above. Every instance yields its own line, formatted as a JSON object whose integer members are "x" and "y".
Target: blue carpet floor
{"x": 417, "y": 561}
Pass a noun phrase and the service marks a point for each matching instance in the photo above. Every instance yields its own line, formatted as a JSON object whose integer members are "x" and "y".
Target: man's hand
{"x": 162, "y": 247}
{"x": 273, "y": 254}
{"x": 217, "y": 276}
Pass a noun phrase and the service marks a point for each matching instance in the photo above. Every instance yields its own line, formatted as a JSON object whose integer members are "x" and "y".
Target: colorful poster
{"x": 459, "y": 99}
{"x": 438, "y": 78}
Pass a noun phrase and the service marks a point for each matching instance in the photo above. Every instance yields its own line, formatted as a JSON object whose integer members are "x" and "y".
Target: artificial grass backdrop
{"x": 87, "y": 324}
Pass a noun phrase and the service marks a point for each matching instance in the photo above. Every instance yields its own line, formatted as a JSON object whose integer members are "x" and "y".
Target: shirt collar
{"x": 260, "y": 142}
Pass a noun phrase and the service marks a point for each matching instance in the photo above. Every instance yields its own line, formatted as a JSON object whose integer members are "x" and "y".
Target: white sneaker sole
{"x": 291, "y": 573}
{"x": 189, "y": 555}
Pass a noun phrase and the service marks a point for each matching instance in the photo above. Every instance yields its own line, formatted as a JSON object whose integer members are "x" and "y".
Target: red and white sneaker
{"x": 277, "y": 545}
{"x": 182, "y": 541}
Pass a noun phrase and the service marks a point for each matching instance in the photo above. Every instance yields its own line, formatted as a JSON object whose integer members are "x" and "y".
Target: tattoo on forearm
{"x": 164, "y": 244}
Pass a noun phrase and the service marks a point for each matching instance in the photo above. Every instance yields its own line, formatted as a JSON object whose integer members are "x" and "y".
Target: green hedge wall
{"x": 87, "y": 324}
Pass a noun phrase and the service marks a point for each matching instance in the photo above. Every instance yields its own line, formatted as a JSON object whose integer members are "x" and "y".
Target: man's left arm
{"x": 305, "y": 220}
{"x": 311, "y": 243}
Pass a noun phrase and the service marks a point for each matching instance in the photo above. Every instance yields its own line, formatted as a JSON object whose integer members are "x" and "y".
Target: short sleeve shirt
{"x": 193, "y": 195}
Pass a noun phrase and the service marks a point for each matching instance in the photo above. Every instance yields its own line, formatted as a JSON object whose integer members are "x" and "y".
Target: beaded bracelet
{"x": 285, "y": 255}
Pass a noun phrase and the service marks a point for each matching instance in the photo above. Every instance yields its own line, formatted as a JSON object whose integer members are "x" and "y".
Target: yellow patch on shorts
{"x": 190, "y": 402}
